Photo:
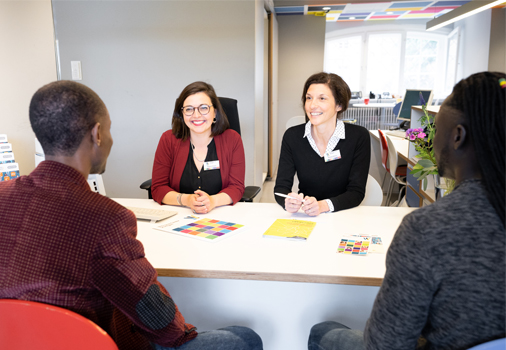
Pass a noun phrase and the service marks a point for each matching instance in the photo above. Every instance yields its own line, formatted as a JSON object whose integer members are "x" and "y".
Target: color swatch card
{"x": 209, "y": 230}
{"x": 354, "y": 245}
{"x": 360, "y": 245}
{"x": 291, "y": 229}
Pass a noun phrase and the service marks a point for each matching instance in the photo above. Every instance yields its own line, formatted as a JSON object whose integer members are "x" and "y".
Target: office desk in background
{"x": 383, "y": 107}
{"x": 279, "y": 288}
{"x": 401, "y": 145}
{"x": 405, "y": 151}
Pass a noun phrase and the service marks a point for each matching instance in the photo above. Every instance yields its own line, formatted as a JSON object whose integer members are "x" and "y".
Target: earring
{"x": 214, "y": 120}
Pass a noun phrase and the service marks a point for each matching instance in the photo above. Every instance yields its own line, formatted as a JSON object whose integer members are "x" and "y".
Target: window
{"x": 343, "y": 57}
{"x": 424, "y": 62}
{"x": 383, "y": 62}
{"x": 451, "y": 69}
{"x": 394, "y": 61}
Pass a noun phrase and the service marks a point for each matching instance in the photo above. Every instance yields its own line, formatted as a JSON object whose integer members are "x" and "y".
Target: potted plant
{"x": 427, "y": 165}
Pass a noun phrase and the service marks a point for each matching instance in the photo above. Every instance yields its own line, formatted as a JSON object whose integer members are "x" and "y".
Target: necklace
{"x": 193, "y": 148}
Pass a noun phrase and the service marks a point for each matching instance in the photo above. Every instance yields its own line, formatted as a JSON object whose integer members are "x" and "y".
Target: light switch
{"x": 77, "y": 74}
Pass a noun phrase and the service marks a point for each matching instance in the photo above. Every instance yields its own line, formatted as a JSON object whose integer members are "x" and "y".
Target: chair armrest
{"x": 146, "y": 185}
{"x": 249, "y": 193}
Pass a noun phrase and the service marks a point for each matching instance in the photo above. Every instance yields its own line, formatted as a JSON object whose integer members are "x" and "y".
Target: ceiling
{"x": 367, "y": 10}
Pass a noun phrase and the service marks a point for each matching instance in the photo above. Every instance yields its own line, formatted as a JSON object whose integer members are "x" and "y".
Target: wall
{"x": 497, "y": 55}
{"x": 475, "y": 44}
{"x": 301, "y": 48}
{"x": 139, "y": 55}
{"x": 27, "y": 62}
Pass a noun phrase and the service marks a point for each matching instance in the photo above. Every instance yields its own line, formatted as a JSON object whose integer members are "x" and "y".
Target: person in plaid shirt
{"x": 64, "y": 245}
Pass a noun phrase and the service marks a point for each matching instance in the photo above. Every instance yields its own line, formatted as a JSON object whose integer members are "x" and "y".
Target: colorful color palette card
{"x": 354, "y": 245}
{"x": 360, "y": 245}
{"x": 297, "y": 230}
{"x": 205, "y": 229}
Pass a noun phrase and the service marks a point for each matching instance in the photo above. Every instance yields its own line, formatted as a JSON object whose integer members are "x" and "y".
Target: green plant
{"x": 422, "y": 141}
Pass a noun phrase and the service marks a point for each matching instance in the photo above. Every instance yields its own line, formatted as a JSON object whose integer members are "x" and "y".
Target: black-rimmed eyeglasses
{"x": 189, "y": 110}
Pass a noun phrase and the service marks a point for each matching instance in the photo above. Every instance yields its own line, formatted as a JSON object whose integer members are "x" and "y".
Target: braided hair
{"x": 481, "y": 99}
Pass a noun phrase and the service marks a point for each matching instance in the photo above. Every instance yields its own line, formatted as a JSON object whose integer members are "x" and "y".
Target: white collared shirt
{"x": 333, "y": 141}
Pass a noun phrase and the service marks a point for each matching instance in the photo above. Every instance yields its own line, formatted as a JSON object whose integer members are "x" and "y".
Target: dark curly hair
{"x": 61, "y": 113}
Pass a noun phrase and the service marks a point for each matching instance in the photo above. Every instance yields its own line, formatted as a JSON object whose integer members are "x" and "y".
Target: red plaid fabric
{"x": 65, "y": 245}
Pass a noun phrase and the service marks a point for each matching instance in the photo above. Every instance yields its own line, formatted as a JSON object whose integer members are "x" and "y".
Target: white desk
{"x": 401, "y": 144}
{"x": 269, "y": 284}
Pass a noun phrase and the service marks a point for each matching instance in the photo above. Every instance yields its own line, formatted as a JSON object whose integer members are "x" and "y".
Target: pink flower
{"x": 421, "y": 135}
{"x": 412, "y": 137}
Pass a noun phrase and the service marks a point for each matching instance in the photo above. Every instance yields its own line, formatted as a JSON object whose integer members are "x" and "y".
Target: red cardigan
{"x": 171, "y": 156}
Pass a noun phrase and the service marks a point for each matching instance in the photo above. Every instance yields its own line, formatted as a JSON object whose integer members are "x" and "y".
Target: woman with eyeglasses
{"x": 199, "y": 163}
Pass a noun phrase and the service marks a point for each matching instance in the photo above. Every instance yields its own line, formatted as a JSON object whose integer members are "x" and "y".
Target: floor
{"x": 267, "y": 193}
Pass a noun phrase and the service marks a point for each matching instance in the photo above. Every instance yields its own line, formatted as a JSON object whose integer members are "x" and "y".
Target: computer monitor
{"x": 412, "y": 98}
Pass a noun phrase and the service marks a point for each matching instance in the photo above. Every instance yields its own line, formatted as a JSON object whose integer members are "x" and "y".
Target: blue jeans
{"x": 331, "y": 335}
{"x": 228, "y": 338}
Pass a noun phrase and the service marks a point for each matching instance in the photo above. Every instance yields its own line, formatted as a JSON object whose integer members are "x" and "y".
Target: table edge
{"x": 278, "y": 277}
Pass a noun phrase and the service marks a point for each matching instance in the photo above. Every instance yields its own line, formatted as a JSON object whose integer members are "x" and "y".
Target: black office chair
{"x": 230, "y": 107}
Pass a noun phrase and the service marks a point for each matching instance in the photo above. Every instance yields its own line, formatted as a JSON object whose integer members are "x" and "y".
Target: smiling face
{"x": 320, "y": 105}
{"x": 198, "y": 123}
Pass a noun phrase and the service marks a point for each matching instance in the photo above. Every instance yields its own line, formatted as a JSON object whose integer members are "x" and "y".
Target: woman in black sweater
{"x": 331, "y": 158}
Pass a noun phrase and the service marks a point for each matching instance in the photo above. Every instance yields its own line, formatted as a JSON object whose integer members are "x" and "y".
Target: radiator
{"x": 370, "y": 118}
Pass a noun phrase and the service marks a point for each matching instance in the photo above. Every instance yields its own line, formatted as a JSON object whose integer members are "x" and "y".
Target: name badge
{"x": 215, "y": 164}
{"x": 332, "y": 156}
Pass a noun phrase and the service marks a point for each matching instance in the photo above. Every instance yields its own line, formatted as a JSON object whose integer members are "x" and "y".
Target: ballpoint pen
{"x": 287, "y": 196}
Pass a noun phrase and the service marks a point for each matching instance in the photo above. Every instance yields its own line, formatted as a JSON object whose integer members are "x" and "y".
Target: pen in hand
{"x": 286, "y": 196}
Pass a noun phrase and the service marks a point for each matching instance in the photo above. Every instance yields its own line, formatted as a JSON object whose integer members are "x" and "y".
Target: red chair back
{"x": 384, "y": 150}
{"x": 29, "y": 325}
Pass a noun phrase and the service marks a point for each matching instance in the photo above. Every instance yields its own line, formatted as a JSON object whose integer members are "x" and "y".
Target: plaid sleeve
{"x": 123, "y": 275}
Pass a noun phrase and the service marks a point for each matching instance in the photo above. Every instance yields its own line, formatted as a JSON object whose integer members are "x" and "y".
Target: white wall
{"x": 475, "y": 44}
{"x": 497, "y": 56}
{"x": 301, "y": 45}
{"x": 139, "y": 55}
{"x": 27, "y": 62}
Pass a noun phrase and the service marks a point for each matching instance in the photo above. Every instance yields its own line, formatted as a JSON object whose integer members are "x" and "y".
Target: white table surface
{"x": 247, "y": 255}
{"x": 375, "y": 105}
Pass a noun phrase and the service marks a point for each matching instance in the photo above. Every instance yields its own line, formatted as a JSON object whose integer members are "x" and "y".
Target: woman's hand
{"x": 203, "y": 203}
{"x": 196, "y": 202}
{"x": 293, "y": 205}
{"x": 312, "y": 207}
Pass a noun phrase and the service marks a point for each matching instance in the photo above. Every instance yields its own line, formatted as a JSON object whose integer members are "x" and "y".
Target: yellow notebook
{"x": 290, "y": 229}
